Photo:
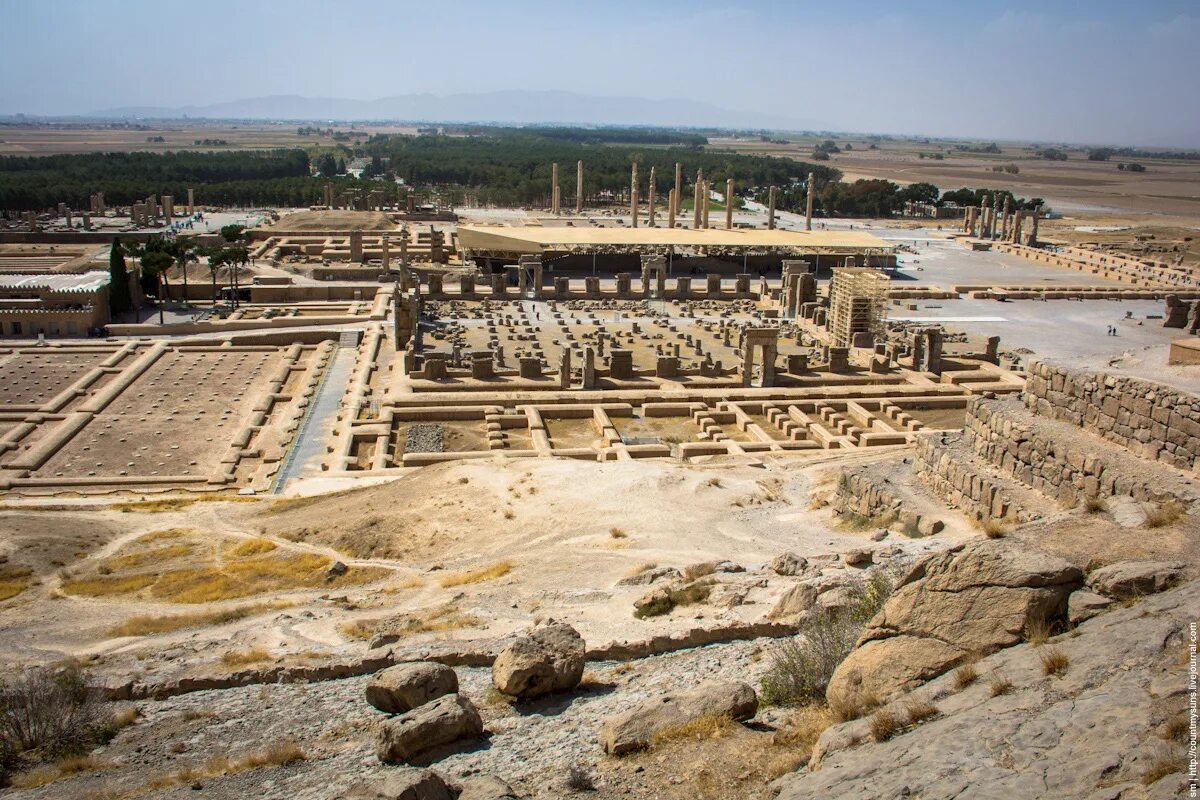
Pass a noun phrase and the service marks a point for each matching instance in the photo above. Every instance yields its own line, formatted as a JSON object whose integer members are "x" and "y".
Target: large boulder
{"x": 788, "y": 563}
{"x": 1127, "y": 579}
{"x": 485, "y": 787}
{"x": 635, "y": 729}
{"x": 548, "y": 659}
{"x": 406, "y": 784}
{"x": 1083, "y": 605}
{"x": 448, "y": 719}
{"x": 405, "y": 686}
{"x": 796, "y": 600}
{"x": 967, "y": 600}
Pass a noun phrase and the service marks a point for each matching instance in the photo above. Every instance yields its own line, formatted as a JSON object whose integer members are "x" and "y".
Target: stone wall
{"x": 963, "y": 482}
{"x": 1151, "y": 420}
{"x": 1059, "y": 466}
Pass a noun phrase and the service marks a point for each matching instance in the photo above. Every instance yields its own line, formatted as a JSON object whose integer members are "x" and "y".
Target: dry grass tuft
{"x": 617, "y": 533}
{"x": 964, "y": 676}
{"x": 14, "y": 580}
{"x": 640, "y": 568}
{"x": 1094, "y": 505}
{"x": 1001, "y": 684}
{"x": 237, "y": 658}
{"x": 146, "y": 625}
{"x": 1168, "y": 761}
{"x": 1037, "y": 631}
{"x": 884, "y": 725}
{"x": 251, "y": 567}
{"x": 252, "y": 547}
{"x": 488, "y": 573}
{"x": 917, "y": 710}
{"x": 709, "y": 726}
{"x": 175, "y": 503}
{"x": 1164, "y": 515}
{"x": 277, "y": 754}
{"x": 854, "y": 706}
{"x": 1054, "y": 661}
{"x": 992, "y": 528}
{"x": 358, "y": 629}
{"x": 63, "y": 768}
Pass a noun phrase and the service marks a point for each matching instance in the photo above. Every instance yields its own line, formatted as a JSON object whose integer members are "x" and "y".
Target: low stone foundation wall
{"x": 1153, "y": 421}
{"x": 862, "y": 492}
{"x": 1065, "y": 470}
{"x": 961, "y": 483}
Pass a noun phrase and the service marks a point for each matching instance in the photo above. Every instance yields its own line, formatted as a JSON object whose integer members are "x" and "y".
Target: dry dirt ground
{"x": 334, "y": 221}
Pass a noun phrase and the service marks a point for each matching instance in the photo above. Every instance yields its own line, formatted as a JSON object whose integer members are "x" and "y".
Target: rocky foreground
{"x": 992, "y": 670}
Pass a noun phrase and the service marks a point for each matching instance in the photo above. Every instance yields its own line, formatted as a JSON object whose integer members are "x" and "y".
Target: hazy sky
{"x": 1094, "y": 71}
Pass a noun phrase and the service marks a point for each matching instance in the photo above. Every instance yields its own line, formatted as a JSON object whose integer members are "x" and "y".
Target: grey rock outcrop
{"x": 970, "y": 599}
{"x": 1127, "y": 676}
{"x": 448, "y": 719}
{"x": 405, "y": 686}
{"x": 1127, "y": 579}
{"x": 635, "y": 729}
{"x": 406, "y": 784}
{"x": 548, "y": 659}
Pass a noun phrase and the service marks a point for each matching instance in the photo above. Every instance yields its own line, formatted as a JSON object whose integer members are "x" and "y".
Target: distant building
{"x": 53, "y": 304}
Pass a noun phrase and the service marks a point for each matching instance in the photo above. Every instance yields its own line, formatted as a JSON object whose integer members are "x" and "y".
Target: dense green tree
{"x": 119, "y": 301}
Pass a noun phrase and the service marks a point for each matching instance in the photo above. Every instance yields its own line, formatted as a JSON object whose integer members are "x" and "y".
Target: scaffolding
{"x": 857, "y": 304}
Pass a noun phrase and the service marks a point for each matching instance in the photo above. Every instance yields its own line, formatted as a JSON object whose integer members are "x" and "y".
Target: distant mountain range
{"x": 512, "y": 107}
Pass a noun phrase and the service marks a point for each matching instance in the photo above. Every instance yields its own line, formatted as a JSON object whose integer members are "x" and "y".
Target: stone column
{"x": 1007, "y": 217}
{"x": 672, "y": 199}
{"x": 706, "y": 198}
{"x": 771, "y": 209}
{"x": 564, "y": 369}
{"x": 385, "y": 255}
{"x": 356, "y": 247}
{"x": 1017, "y": 223}
{"x": 589, "y": 368}
{"x": 191, "y": 201}
{"x": 579, "y": 187}
{"x": 696, "y": 192}
{"x": 633, "y": 195}
{"x": 729, "y": 204}
{"x": 808, "y": 208}
{"x": 678, "y": 190}
{"x": 650, "y": 199}
{"x": 554, "y": 189}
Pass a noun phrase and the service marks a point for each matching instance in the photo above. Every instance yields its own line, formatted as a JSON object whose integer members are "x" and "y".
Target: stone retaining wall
{"x": 961, "y": 482}
{"x": 1153, "y": 421}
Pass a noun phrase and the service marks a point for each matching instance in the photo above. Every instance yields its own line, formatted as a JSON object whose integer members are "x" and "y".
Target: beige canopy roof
{"x": 536, "y": 239}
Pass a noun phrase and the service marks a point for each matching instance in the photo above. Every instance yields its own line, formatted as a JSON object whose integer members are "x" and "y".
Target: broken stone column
{"x": 356, "y": 247}
{"x": 435, "y": 366}
{"x": 499, "y": 284}
{"x": 667, "y": 367}
{"x": 696, "y": 192}
{"x": 564, "y": 369}
{"x": 466, "y": 285}
{"x": 839, "y": 359}
{"x": 435, "y": 283}
{"x": 191, "y": 201}
{"x": 678, "y": 192}
{"x": 529, "y": 367}
{"x": 1176, "y": 313}
{"x": 482, "y": 365}
{"x": 771, "y": 208}
{"x": 797, "y": 363}
{"x": 742, "y": 287}
{"x": 562, "y": 287}
{"x": 1033, "y": 228}
{"x": 650, "y": 190}
{"x": 554, "y": 189}
{"x": 707, "y": 197}
{"x": 591, "y": 287}
{"x": 384, "y": 252}
{"x": 671, "y": 201}
{"x": 579, "y": 187}
{"x": 683, "y": 288}
{"x": 633, "y": 195}
{"x": 808, "y": 209}
{"x": 623, "y": 280}
{"x": 713, "y": 288}
{"x": 589, "y": 368}
{"x": 621, "y": 365}
{"x": 729, "y": 204}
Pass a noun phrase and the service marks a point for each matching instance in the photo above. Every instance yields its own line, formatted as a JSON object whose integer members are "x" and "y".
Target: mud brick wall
{"x": 1153, "y": 421}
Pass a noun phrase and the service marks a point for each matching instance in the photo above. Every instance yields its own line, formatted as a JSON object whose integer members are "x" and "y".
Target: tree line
{"x": 881, "y": 198}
